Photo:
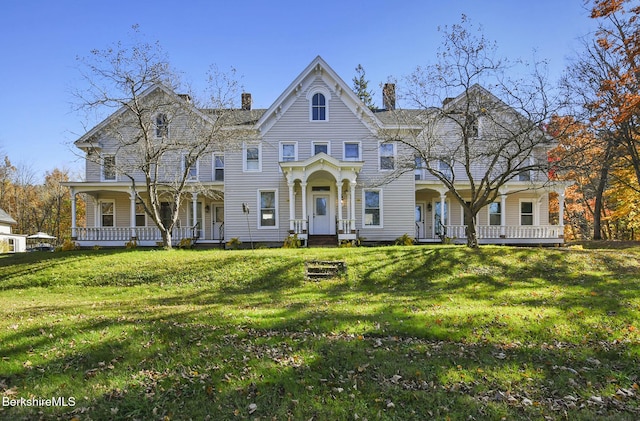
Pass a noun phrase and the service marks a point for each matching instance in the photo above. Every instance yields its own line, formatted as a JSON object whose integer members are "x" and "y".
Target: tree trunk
{"x": 470, "y": 230}
{"x": 166, "y": 239}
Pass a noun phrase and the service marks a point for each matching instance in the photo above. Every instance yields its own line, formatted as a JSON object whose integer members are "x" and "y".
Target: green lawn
{"x": 409, "y": 333}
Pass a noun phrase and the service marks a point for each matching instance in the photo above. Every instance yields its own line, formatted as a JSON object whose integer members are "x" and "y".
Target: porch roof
{"x": 340, "y": 170}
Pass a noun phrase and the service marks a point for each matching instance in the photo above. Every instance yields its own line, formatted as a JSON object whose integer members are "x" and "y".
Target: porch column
{"x": 74, "y": 235}
{"x": 339, "y": 194}
{"x": 443, "y": 217}
{"x": 303, "y": 186}
{"x": 292, "y": 207}
{"x": 561, "y": 207}
{"x": 352, "y": 198}
{"x": 194, "y": 207}
{"x": 503, "y": 214}
{"x": 132, "y": 213}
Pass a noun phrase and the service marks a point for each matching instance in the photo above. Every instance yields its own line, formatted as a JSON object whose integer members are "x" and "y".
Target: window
{"x": 372, "y": 208}
{"x": 162, "y": 125}
{"x": 268, "y": 215}
{"x": 109, "y": 168}
{"x": 252, "y": 158}
{"x": 473, "y": 128}
{"x": 11, "y": 243}
{"x": 351, "y": 151}
{"x": 288, "y": 151}
{"x": 321, "y": 147}
{"x": 191, "y": 166}
{"x": 445, "y": 169}
{"x": 495, "y": 214}
{"x": 318, "y": 107}
{"x": 218, "y": 167}
{"x": 420, "y": 166}
{"x": 526, "y": 213}
{"x": 526, "y": 174}
{"x": 387, "y": 156}
{"x": 107, "y": 214}
{"x": 141, "y": 217}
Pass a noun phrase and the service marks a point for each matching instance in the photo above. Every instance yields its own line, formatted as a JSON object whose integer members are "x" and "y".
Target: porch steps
{"x": 324, "y": 269}
{"x": 322, "y": 241}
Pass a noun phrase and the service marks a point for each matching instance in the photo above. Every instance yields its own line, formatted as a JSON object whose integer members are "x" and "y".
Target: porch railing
{"x": 126, "y": 233}
{"x": 507, "y": 231}
{"x": 346, "y": 226}
{"x": 299, "y": 226}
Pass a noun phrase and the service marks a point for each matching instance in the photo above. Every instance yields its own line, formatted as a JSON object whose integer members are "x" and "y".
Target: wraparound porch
{"x": 496, "y": 234}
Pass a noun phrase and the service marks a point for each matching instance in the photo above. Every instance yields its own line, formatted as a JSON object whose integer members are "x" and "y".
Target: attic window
{"x": 162, "y": 125}
{"x": 318, "y": 107}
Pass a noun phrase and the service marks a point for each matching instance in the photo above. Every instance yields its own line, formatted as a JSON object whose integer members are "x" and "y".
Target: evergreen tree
{"x": 360, "y": 84}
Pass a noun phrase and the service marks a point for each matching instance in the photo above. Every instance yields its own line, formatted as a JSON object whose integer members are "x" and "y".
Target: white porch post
{"x": 352, "y": 207}
{"x": 132, "y": 212}
{"x": 194, "y": 206}
{"x": 74, "y": 235}
{"x": 339, "y": 194}
{"x": 292, "y": 206}
{"x": 561, "y": 195}
{"x": 303, "y": 186}
{"x": 503, "y": 213}
{"x": 443, "y": 217}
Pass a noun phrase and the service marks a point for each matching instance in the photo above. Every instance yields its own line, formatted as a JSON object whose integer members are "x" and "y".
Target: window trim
{"x": 327, "y": 100}
{"x": 276, "y": 210}
{"x": 280, "y": 150}
{"x": 103, "y": 168}
{"x": 533, "y": 212}
{"x": 489, "y": 213}
{"x": 393, "y": 155}
{"x": 195, "y": 166}
{"x": 245, "y": 147}
{"x": 447, "y": 172}
{"x": 100, "y": 214}
{"x": 380, "y": 208}
{"x": 215, "y": 168}
{"x": 344, "y": 150}
{"x": 323, "y": 142}
{"x": 161, "y": 131}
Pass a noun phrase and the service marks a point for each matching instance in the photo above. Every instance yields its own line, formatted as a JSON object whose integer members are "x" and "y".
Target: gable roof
{"x": 85, "y": 140}
{"x": 318, "y": 68}
{"x": 5, "y": 218}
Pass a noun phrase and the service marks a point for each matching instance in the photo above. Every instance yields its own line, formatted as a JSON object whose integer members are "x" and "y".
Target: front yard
{"x": 407, "y": 333}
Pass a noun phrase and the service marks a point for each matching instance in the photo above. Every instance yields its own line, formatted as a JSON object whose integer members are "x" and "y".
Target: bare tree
{"x": 155, "y": 137}
{"x": 475, "y": 141}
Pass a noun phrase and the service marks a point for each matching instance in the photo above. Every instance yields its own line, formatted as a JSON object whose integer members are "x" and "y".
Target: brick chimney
{"x": 246, "y": 101}
{"x": 389, "y": 96}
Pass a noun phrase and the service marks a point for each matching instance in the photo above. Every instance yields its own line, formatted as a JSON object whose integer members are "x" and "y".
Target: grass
{"x": 408, "y": 333}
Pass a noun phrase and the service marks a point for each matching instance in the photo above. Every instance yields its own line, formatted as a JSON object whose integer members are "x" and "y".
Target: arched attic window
{"x": 162, "y": 125}
{"x": 318, "y": 107}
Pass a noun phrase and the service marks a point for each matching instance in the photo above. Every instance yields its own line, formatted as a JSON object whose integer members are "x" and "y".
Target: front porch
{"x": 322, "y": 197}
{"x": 494, "y": 234}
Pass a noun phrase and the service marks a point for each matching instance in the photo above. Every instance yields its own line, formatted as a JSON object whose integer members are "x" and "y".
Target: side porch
{"x": 519, "y": 215}
{"x": 115, "y": 216}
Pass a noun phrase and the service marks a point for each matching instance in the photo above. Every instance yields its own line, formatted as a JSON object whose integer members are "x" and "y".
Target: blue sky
{"x": 268, "y": 42}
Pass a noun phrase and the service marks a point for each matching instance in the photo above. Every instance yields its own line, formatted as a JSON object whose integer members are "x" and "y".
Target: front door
{"x": 420, "y": 228}
{"x": 218, "y": 222}
{"x": 321, "y": 217}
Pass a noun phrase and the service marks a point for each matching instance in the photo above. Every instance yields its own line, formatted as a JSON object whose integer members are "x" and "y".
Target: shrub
{"x": 185, "y": 243}
{"x": 68, "y": 245}
{"x": 130, "y": 245}
{"x": 405, "y": 240}
{"x": 234, "y": 243}
{"x": 292, "y": 242}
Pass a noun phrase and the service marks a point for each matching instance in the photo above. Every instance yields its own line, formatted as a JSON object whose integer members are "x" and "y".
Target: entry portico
{"x": 327, "y": 188}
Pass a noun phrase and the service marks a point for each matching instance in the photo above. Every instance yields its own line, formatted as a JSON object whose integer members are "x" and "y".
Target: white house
{"x": 314, "y": 164}
{"x": 10, "y": 243}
